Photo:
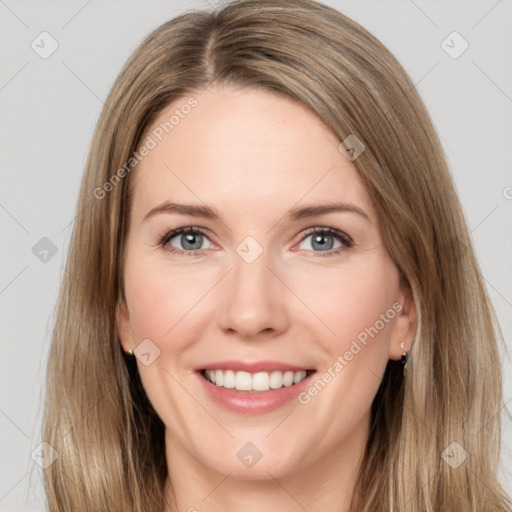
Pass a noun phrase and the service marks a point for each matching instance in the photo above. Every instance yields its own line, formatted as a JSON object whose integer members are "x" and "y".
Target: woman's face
{"x": 267, "y": 283}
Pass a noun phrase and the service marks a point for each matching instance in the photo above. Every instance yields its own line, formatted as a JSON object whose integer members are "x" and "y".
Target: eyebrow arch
{"x": 299, "y": 213}
{"x": 321, "y": 209}
{"x": 184, "y": 209}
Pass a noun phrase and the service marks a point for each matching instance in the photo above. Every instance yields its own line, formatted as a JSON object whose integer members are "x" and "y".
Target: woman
{"x": 326, "y": 341}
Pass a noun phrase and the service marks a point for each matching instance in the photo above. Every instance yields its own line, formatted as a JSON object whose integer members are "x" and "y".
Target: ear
{"x": 123, "y": 326}
{"x": 405, "y": 323}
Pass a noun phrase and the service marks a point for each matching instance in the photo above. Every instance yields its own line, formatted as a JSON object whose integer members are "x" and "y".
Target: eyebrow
{"x": 207, "y": 212}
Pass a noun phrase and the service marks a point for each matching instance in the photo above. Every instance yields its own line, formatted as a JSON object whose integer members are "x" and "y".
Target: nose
{"x": 253, "y": 300}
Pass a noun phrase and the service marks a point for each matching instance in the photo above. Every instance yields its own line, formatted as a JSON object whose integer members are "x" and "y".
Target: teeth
{"x": 260, "y": 381}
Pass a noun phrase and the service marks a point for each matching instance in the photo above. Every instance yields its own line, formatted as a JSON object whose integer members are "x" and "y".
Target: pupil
{"x": 189, "y": 239}
{"x": 323, "y": 245}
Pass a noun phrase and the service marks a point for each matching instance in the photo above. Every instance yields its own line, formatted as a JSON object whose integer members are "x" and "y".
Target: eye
{"x": 189, "y": 241}
{"x": 185, "y": 241}
{"x": 326, "y": 240}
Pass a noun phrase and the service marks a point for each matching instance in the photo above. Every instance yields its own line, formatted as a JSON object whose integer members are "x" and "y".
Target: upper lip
{"x": 252, "y": 366}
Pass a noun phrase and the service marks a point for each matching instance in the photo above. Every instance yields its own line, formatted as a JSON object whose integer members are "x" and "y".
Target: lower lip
{"x": 256, "y": 402}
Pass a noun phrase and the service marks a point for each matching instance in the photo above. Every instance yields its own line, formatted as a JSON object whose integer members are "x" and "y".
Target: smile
{"x": 255, "y": 382}
{"x": 256, "y": 392}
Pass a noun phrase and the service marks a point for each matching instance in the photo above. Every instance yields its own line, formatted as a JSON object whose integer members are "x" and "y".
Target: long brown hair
{"x": 97, "y": 416}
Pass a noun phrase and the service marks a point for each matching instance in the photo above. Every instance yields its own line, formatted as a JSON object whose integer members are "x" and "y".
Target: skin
{"x": 253, "y": 156}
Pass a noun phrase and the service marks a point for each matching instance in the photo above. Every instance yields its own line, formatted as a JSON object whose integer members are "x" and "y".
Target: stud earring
{"x": 404, "y": 356}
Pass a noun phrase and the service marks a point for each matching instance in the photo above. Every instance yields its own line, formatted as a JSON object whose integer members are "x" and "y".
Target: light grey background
{"x": 48, "y": 109}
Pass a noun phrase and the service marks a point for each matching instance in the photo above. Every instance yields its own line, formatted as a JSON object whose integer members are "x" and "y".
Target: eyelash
{"x": 345, "y": 240}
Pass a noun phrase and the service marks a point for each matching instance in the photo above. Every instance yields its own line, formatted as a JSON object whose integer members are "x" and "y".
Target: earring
{"x": 404, "y": 356}
{"x": 129, "y": 352}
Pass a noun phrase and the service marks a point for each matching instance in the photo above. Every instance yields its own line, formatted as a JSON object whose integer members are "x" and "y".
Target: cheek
{"x": 352, "y": 302}
{"x": 346, "y": 303}
{"x": 162, "y": 306}
{"x": 356, "y": 303}
{"x": 161, "y": 299}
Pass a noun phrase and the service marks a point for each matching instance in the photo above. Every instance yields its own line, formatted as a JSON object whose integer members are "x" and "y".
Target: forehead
{"x": 243, "y": 150}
